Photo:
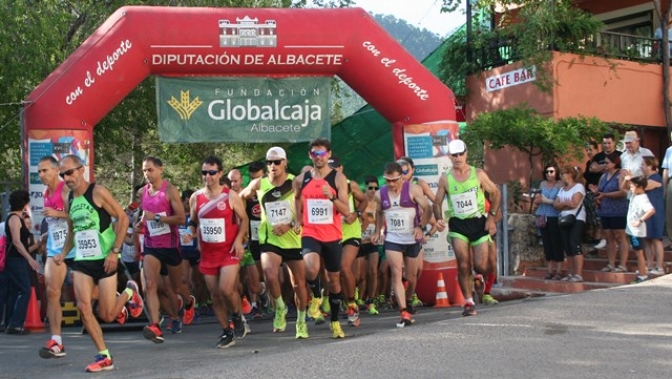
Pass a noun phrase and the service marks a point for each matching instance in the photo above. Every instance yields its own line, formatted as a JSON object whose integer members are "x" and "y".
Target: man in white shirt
{"x": 633, "y": 156}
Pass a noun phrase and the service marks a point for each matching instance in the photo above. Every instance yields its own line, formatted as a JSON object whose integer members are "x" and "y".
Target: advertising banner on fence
{"x": 250, "y": 109}
{"x": 427, "y": 145}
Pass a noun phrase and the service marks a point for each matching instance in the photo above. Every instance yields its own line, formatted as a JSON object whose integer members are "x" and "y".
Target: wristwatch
{"x": 494, "y": 213}
{"x": 157, "y": 218}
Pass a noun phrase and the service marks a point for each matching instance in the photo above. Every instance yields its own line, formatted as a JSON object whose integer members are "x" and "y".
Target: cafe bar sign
{"x": 511, "y": 78}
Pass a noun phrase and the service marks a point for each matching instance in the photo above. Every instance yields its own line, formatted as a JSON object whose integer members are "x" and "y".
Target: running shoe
{"x": 406, "y": 319}
{"x": 102, "y": 363}
{"x": 326, "y": 305}
{"x": 314, "y": 307}
{"x": 353, "y": 315}
{"x": 176, "y": 326}
{"x": 264, "y": 299}
{"x": 135, "y": 303}
{"x": 153, "y": 333}
{"x": 336, "y": 331}
{"x": 415, "y": 301}
{"x": 489, "y": 300}
{"x": 371, "y": 308}
{"x": 225, "y": 340}
{"x": 246, "y": 306}
{"x": 469, "y": 310}
{"x": 409, "y": 308}
{"x": 279, "y": 321}
{"x": 301, "y": 329}
{"x": 52, "y": 350}
{"x": 122, "y": 317}
{"x": 256, "y": 313}
{"x": 639, "y": 279}
{"x": 656, "y": 271}
{"x": 189, "y": 311}
{"x": 239, "y": 329}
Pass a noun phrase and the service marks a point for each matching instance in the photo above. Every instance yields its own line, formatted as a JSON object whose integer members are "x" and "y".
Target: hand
{"x": 149, "y": 215}
{"x": 418, "y": 233}
{"x": 34, "y": 264}
{"x": 239, "y": 249}
{"x": 326, "y": 190}
{"x": 297, "y": 227}
{"x": 58, "y": 259}
{"x": 350, "y": 218}
{"x": 592, "y": 188}
{"x": 637, "y": 223}
{"x": 281, "y": 229}
{"x": 188, "y": 238}
{"x": 441, "y": 225}
{"x": 111, "y": 262}
{"x": 491, "y": 226}
{"x": 50, "y": 212}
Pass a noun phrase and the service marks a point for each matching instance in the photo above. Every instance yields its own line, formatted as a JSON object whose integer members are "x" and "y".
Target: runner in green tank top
{"x": 468, "y": 224}
{"x": 97, "y": 244}
{"x": 278, "y": 239}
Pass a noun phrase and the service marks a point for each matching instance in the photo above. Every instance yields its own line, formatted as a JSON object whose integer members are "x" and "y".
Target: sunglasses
{"x": 373, "y": 188}
{"x": 276, "y": 162}
{"x": 69, "y": 172}
{"x": 550, "y": 171}
{"x": 318, "y": 153}
{"x": 404, "y": 172}
{"x": 392, "y": 180}
{"x": 211, "y": 172}
{"x": 457, "y": 155}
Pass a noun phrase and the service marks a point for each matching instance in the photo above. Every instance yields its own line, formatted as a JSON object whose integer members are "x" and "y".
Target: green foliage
{"x": 538, "y": 28}
{"x": 525, "y": 130}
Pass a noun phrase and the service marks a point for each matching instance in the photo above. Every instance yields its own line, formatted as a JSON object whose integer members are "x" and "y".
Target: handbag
{"x": 540, "y": 222}
{"x": 567, "y": 221}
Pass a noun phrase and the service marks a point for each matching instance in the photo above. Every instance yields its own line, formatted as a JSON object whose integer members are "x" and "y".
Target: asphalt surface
{"x": 622, "y": 332}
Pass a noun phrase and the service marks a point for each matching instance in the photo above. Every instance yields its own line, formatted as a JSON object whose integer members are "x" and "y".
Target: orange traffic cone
{"x": 33, "y": 321}
{"x": 247, "y": 307}
{"x": 441, "y": 294}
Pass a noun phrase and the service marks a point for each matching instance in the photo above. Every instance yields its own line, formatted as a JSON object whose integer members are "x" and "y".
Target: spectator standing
{"x": 592, "y": 178}
{"x": 547, "y": 222}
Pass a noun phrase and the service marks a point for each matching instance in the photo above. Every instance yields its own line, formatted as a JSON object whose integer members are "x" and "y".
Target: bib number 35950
{"x": 213, "y": 230}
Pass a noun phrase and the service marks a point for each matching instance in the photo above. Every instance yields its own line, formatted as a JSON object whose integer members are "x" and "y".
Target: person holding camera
{"x": 547, "y": 221}
{"x": 572, "y": 219}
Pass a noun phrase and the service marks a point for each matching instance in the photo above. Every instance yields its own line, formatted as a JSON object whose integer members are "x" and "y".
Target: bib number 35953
{"x": 87, "y": 243}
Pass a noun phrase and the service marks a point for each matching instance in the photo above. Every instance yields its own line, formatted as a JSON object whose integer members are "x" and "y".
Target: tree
{"x": 527, "y": 131}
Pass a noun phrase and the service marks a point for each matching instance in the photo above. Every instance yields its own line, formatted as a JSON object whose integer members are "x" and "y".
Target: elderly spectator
{"x": 633, "y": 156}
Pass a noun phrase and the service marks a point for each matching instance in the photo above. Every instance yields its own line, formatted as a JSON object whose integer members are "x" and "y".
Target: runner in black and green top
{"x": 469, "y": 223}
{"x": 97, "y": 244}
{"x": 278, "y": 240}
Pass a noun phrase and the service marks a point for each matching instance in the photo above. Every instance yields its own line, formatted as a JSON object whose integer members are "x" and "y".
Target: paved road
{"x": 620, "y": 332}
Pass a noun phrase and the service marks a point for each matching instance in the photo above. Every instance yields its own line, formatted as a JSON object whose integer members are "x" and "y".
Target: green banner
{"x": 243, "y": 109}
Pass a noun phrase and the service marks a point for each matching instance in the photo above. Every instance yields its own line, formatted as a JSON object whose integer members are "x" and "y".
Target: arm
{"x": 51, "y": 212}
{"x": 298, "y": 206}
{"x": 378, "y": 234}
{"x": 341, "y": 199}
{"x": 440, "y": 194}
{"x": 103, "y": 198}
{"x": 426, "y": 210}
{"x": 243, "y": 223}
{"x": 249, "y": 191}
{"x": 360, "y": 200}
{"x": 495, "y": 200}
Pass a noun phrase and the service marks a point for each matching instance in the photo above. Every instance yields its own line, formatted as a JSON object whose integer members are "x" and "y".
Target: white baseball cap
{"x": 457, "y": 146}
{"x": 276, "y": 152}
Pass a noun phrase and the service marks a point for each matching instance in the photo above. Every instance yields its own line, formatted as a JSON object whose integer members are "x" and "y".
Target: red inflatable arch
{"x": 136, "y": 42}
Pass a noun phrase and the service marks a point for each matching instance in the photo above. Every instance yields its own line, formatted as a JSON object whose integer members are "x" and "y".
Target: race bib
{"x": 212, "y": 230}
{"x": 278, "y": 212}
{"x": 464, "y": 204}
{"x": 254, "y": 229}
{"x": 400, "y": 221}
{"x": 156, "y": 228}
{"x": 320, "y": 211}
{"x": 58, "y": 230}
{"x": 87, "y": 244}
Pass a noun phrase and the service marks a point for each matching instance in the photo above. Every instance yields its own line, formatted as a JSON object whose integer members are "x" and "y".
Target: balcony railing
{"x": 501, "y": 50}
